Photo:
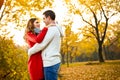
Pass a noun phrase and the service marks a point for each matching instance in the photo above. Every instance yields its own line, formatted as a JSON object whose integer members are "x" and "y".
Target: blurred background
{"x": 91, "y": 28}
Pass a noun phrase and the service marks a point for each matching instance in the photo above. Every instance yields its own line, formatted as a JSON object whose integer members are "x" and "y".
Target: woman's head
{"x": 31, "y": 25}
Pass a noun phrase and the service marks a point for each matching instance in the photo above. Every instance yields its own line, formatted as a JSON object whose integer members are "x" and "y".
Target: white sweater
{"x": 50, "y": 46}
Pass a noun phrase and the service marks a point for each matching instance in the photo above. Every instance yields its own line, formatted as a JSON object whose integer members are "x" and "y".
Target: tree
{"x": 116, "y": 31}
{"x": 100, "y": 11}
{"x": 19, "y": 11}
{"x": 112, "y": 45}
{"x": 69, "y": 44}
{"x": 13, "y": 61}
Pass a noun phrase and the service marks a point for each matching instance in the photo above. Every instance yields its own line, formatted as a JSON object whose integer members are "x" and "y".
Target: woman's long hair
{"x": 30, "y": 27}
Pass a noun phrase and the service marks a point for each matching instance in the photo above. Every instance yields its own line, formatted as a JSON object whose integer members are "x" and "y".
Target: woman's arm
{"x": 37, "y": 39}
{"x": 40, "y": 46}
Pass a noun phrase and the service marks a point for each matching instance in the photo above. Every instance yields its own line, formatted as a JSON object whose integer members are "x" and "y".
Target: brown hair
{"x": 30, "y": 27}
{"x": 49, "y": 13}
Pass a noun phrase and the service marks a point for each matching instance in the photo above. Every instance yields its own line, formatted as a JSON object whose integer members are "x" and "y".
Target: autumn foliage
{"x": 98, "y": 38}
{"x": 13, "y": 61}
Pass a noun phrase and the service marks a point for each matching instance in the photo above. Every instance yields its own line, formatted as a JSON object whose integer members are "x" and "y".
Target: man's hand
{"x": 29, "y": 52}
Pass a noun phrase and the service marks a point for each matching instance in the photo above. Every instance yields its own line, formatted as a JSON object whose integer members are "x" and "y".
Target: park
{"x": 90, "y": 48}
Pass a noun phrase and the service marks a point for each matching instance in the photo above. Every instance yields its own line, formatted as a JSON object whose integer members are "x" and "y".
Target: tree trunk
{"x": 67, "y": 59}
{"x": 100, "y": 56}
{"x": 71, "y": 58}
{"x": 105, "y": 52}
{"x": 63, "y": 58}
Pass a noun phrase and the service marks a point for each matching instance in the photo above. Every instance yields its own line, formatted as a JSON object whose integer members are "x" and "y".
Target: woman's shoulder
{"x": 29, "y": 32}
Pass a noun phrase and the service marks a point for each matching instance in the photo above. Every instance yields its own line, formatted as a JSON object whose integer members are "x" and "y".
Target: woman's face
{"x": 36, "y": 24}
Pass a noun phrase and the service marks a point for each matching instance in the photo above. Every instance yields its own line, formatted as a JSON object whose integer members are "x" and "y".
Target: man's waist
{"x": 51, "y": 62}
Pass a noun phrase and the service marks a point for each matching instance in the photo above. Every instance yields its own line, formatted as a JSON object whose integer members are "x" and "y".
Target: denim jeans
{"x": 51, "y": 73}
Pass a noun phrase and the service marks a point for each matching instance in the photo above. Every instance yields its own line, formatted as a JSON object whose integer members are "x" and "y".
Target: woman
{"x": 34, "y": 35}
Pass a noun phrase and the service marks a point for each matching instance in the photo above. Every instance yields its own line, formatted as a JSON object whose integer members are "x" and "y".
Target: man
{"x": 50, "y": 47}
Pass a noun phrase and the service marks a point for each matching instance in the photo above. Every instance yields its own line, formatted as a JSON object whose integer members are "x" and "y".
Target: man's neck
{"x": 52, "y": 23}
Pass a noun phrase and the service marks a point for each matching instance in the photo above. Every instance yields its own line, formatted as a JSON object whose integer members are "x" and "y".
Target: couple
{"x": 44, "y": 57}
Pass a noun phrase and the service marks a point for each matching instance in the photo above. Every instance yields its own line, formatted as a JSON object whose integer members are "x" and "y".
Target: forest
{"x": 96, "y": 38}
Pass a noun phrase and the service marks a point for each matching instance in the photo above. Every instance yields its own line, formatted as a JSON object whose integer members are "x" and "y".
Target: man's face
{"x": 46, "y": 20}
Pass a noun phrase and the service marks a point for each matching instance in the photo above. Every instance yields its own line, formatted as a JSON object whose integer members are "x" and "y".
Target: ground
{"x": 110, "y": 70}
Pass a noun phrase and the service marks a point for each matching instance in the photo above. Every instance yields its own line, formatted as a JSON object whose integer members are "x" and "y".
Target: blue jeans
{"x": 51, "y": 73}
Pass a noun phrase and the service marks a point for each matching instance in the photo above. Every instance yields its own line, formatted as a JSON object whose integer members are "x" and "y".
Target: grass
{"x": 109, "y": 70}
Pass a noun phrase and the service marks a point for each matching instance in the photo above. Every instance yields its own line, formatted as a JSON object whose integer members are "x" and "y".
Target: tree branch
{"x": 113, "y": 15}
{"x": 96, "y": 23}
{"x": 106, "y": 25}
{"x": 6, "y": 75}
{"x": 95, "y": 17}
{"x": 87, "y": 22}
{"x": 100, "y": 17}
{"x": 93, "y": 34}
{"x": 2, "y": 14}
{"x": 114, "y": 42}
{"x": 103, "y": 11}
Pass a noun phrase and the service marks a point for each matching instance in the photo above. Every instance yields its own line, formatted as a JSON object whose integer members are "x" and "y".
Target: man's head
{"x": 48, "y": 17}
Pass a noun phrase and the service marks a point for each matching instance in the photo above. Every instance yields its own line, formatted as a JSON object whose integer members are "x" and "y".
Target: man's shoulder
{"x": 52, "y": 28}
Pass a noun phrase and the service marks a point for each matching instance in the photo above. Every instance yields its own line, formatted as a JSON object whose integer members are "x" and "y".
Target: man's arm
{"x": 40, "y": 46}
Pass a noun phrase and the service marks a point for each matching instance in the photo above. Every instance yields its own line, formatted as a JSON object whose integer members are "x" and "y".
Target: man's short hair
{"x": 50, "y": 13}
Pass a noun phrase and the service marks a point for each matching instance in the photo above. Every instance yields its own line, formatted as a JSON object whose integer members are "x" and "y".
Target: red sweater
{"x": 35, "y": 63}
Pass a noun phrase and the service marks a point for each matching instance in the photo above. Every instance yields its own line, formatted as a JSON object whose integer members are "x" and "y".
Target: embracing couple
{"x": 44, "y": 52}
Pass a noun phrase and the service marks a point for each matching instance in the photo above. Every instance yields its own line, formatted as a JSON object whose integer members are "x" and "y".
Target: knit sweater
{"x": 50, "y": 46}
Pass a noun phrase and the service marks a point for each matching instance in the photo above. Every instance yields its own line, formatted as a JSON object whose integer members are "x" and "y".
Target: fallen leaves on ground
{"x": 90, "y": 72}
